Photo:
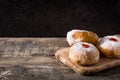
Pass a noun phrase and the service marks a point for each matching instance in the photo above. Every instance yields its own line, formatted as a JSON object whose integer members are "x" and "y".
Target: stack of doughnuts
{"x": 86, "y": 47}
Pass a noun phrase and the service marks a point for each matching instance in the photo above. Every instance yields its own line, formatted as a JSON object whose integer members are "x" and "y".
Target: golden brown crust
{"x": 91, "y": 38}
{"x": 106, "y": 51}
{"x": 87, "y": 36}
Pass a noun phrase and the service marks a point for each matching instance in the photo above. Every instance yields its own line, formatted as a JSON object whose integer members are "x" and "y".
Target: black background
{"x": 54, "y": 18}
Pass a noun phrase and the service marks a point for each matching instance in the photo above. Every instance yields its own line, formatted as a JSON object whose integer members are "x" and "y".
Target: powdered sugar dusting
{"x": 79, "y": 48}
{"x": 85, "y": 56}
{"x": 105, "y": 42}
{"x": 70, "y": 39}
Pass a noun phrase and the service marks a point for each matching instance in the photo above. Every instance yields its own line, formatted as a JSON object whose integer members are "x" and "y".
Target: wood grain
{"x": 34, "y": 59}
{"x": 24, "y": 47}
{"x": 104, "y": 63}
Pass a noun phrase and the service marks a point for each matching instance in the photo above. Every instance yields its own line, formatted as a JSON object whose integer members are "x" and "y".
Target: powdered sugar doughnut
{"x": 84, "y": 53}
{"x": 110, "y": 46}
{"x": 74, "y": 36}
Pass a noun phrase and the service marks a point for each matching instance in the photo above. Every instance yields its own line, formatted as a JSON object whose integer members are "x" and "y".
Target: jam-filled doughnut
{"x": 74, "y": 36}
{"x": 83, "y": 53}
{"x": 110, "y": 46}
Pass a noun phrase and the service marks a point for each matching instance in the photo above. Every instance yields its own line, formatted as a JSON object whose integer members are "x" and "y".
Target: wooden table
{"x": 33, "y": 59}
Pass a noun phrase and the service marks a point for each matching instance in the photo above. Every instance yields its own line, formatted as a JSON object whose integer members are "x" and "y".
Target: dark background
{"x": 54, "y": 18}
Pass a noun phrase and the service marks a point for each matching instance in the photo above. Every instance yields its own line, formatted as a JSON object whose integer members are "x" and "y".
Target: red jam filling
{"x": 85, "y": 45}
{"x": 113, "y": 39}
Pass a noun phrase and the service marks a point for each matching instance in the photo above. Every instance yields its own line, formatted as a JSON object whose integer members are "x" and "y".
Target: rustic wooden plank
{"x": 46, "y": 68}
{"x": 33, "y": 59}
{"x": 24, "y": 47}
